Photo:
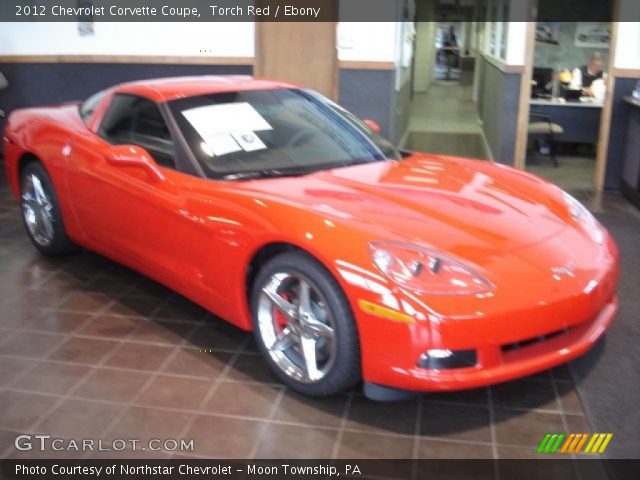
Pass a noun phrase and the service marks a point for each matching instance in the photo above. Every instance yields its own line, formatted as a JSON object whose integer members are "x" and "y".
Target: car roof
{"x": 166, "y": 89}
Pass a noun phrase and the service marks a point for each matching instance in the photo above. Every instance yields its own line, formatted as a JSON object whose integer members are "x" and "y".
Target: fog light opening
{"x": 443, "y": 359}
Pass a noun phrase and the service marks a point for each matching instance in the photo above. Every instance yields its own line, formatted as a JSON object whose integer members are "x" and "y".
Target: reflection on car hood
{"x": 450, "y": 204}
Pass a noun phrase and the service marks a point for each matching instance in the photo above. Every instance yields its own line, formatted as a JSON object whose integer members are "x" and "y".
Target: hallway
{"x": 445, "y": 120}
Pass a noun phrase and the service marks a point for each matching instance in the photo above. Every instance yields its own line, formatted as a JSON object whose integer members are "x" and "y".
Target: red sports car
{"x": 284, "y": 214}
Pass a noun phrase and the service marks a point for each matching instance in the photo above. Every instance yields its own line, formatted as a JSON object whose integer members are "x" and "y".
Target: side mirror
{"x": 373, "y": 126}
{"x": 134, "y": 156}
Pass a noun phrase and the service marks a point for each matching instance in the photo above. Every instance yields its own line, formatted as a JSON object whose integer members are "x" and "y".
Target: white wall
{"x": 357, "y": 41}
{"x": 628, "y": 46}
{"x": 367, "y": 41}
{"x": 129, "y": 38}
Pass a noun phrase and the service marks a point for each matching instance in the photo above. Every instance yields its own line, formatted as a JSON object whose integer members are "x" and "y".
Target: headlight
{"x": 426, "y": 270}
{"x": 585, "y": 218}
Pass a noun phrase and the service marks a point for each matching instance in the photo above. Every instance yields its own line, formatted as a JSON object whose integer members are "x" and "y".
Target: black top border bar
{"x": 301, "y": 11}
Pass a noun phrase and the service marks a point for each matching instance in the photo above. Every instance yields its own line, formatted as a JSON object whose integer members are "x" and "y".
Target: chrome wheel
{"x": 296, "y": 327}
{"x": 37, "y": 210}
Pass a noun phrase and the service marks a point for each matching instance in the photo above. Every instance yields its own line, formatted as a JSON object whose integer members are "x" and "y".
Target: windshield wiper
{"x": 270, "y": 173}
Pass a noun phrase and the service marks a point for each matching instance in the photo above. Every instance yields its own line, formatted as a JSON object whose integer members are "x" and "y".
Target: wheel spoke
{"x": 37, "y": 210}
{"x": 47, "y": 224}
{"x": 308, "y": 345}
{"x": 38, "y": 190}
{"x": 29, "y": 200}
{"x": 284, "y": 341}
{"x": 305, "y": 298}
{"x": 286, "y": 308}
{"x": 316, "y": 328}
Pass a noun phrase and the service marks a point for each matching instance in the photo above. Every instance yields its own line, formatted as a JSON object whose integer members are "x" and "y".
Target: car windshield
{"x": 268, "y": 133}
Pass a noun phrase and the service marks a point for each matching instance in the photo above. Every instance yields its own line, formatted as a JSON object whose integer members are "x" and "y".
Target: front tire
{"x": 41, "y": 212}
{"x": 304, "y": 326}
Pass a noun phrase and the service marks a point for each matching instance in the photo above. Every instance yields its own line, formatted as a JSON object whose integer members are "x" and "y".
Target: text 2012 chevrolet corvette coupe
{"x": 282, "y": 213}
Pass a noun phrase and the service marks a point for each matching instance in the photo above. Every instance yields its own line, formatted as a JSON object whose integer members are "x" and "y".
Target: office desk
{"x": 580, "y": 121}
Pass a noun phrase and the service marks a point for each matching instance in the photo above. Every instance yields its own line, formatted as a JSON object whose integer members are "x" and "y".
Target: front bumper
{"x": 526, "y": 327}
{"x": 500, "y": 363}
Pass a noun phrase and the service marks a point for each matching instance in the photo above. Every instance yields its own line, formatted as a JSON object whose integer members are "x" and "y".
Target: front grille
{"x": 532, "y": 341}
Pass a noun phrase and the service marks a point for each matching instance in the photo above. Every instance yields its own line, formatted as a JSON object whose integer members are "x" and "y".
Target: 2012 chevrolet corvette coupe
{"x": 282, "y": 213}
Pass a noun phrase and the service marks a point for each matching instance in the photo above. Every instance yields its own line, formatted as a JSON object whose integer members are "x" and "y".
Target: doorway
{"x": 448, "y": 41}
{"x": 444, "y": 117}
{"x": 568, "y": 103}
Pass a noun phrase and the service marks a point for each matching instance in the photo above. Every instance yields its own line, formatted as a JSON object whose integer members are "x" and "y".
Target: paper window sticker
{"x": 213, "y": 120}
{"x": 249, "y": 141}
{"x": 222, "y": 144}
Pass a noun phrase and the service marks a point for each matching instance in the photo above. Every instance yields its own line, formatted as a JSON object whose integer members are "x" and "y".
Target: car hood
{"x": 471, "y": 209}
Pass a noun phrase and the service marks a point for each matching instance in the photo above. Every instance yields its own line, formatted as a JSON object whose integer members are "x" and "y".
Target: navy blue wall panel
{"x": 369, "y": 94}
{"x": 618, "y": 135}
{"x": 32, "y": 84}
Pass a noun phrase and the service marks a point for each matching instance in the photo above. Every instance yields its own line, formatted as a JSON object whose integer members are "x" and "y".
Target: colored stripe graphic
{"x": 594, "y": 437}
{"x": 556, "y": 445}
{"x": 606, "y": 441}
{"x": 570, "y": 440}
{"x": 598, "y": 443}
{"x": 543, "y": 443}
{"x": 573, "y": 443}
{"x": 581, "y": 443}
{"x": 551, "y": 442}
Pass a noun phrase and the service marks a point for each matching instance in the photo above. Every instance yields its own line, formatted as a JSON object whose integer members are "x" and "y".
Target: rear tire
{"x": 304, "y": 326}
{"x": 41, "y": 213}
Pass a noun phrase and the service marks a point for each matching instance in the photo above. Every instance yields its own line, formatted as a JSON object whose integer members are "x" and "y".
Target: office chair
{"x": 544, "y": 129}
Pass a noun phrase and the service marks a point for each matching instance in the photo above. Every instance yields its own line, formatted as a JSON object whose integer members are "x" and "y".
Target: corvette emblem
{"x": 566, "y": 270}
{"x": 248, "y": 138}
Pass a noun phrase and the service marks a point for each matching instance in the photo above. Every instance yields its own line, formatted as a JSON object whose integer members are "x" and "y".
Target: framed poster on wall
{"x": 86, "y": 25}
{"x": 593, "y": 35}
{"x": 548, "y": 32}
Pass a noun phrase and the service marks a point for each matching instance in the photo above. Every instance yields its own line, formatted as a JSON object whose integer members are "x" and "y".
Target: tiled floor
{"x": 574, "y": 173}
{"x": 91, "y": 350}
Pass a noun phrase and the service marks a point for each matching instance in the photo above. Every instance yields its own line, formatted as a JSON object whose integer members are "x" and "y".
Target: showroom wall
{"x": 375, "y": 67}
{"x": 499, "y": 92}
{"x": 358, "y": 87}
{"x": 48, "y": 63}
{"x": 129, "y": 38}
{"x": 33, "y": 84}
{"x": 626, "y": 75}
{"x": 499, "y": 48}
{"x": 623, "y": 87}
{"x": 366, "y": 56}
{"x": 52, "y": 62}
{"x": 566, "y": 53}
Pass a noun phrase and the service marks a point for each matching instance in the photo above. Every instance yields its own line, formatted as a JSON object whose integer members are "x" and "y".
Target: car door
{"x": 124, "y": 211}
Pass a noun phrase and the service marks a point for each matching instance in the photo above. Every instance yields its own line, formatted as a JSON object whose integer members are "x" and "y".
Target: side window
{"x": 138, "y": 121}
{"x": 90, "y": 104}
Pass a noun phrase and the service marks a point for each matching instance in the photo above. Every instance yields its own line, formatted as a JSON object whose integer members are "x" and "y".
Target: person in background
{"x": 590, "y": 77}
{"x": 450, "y": 49}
